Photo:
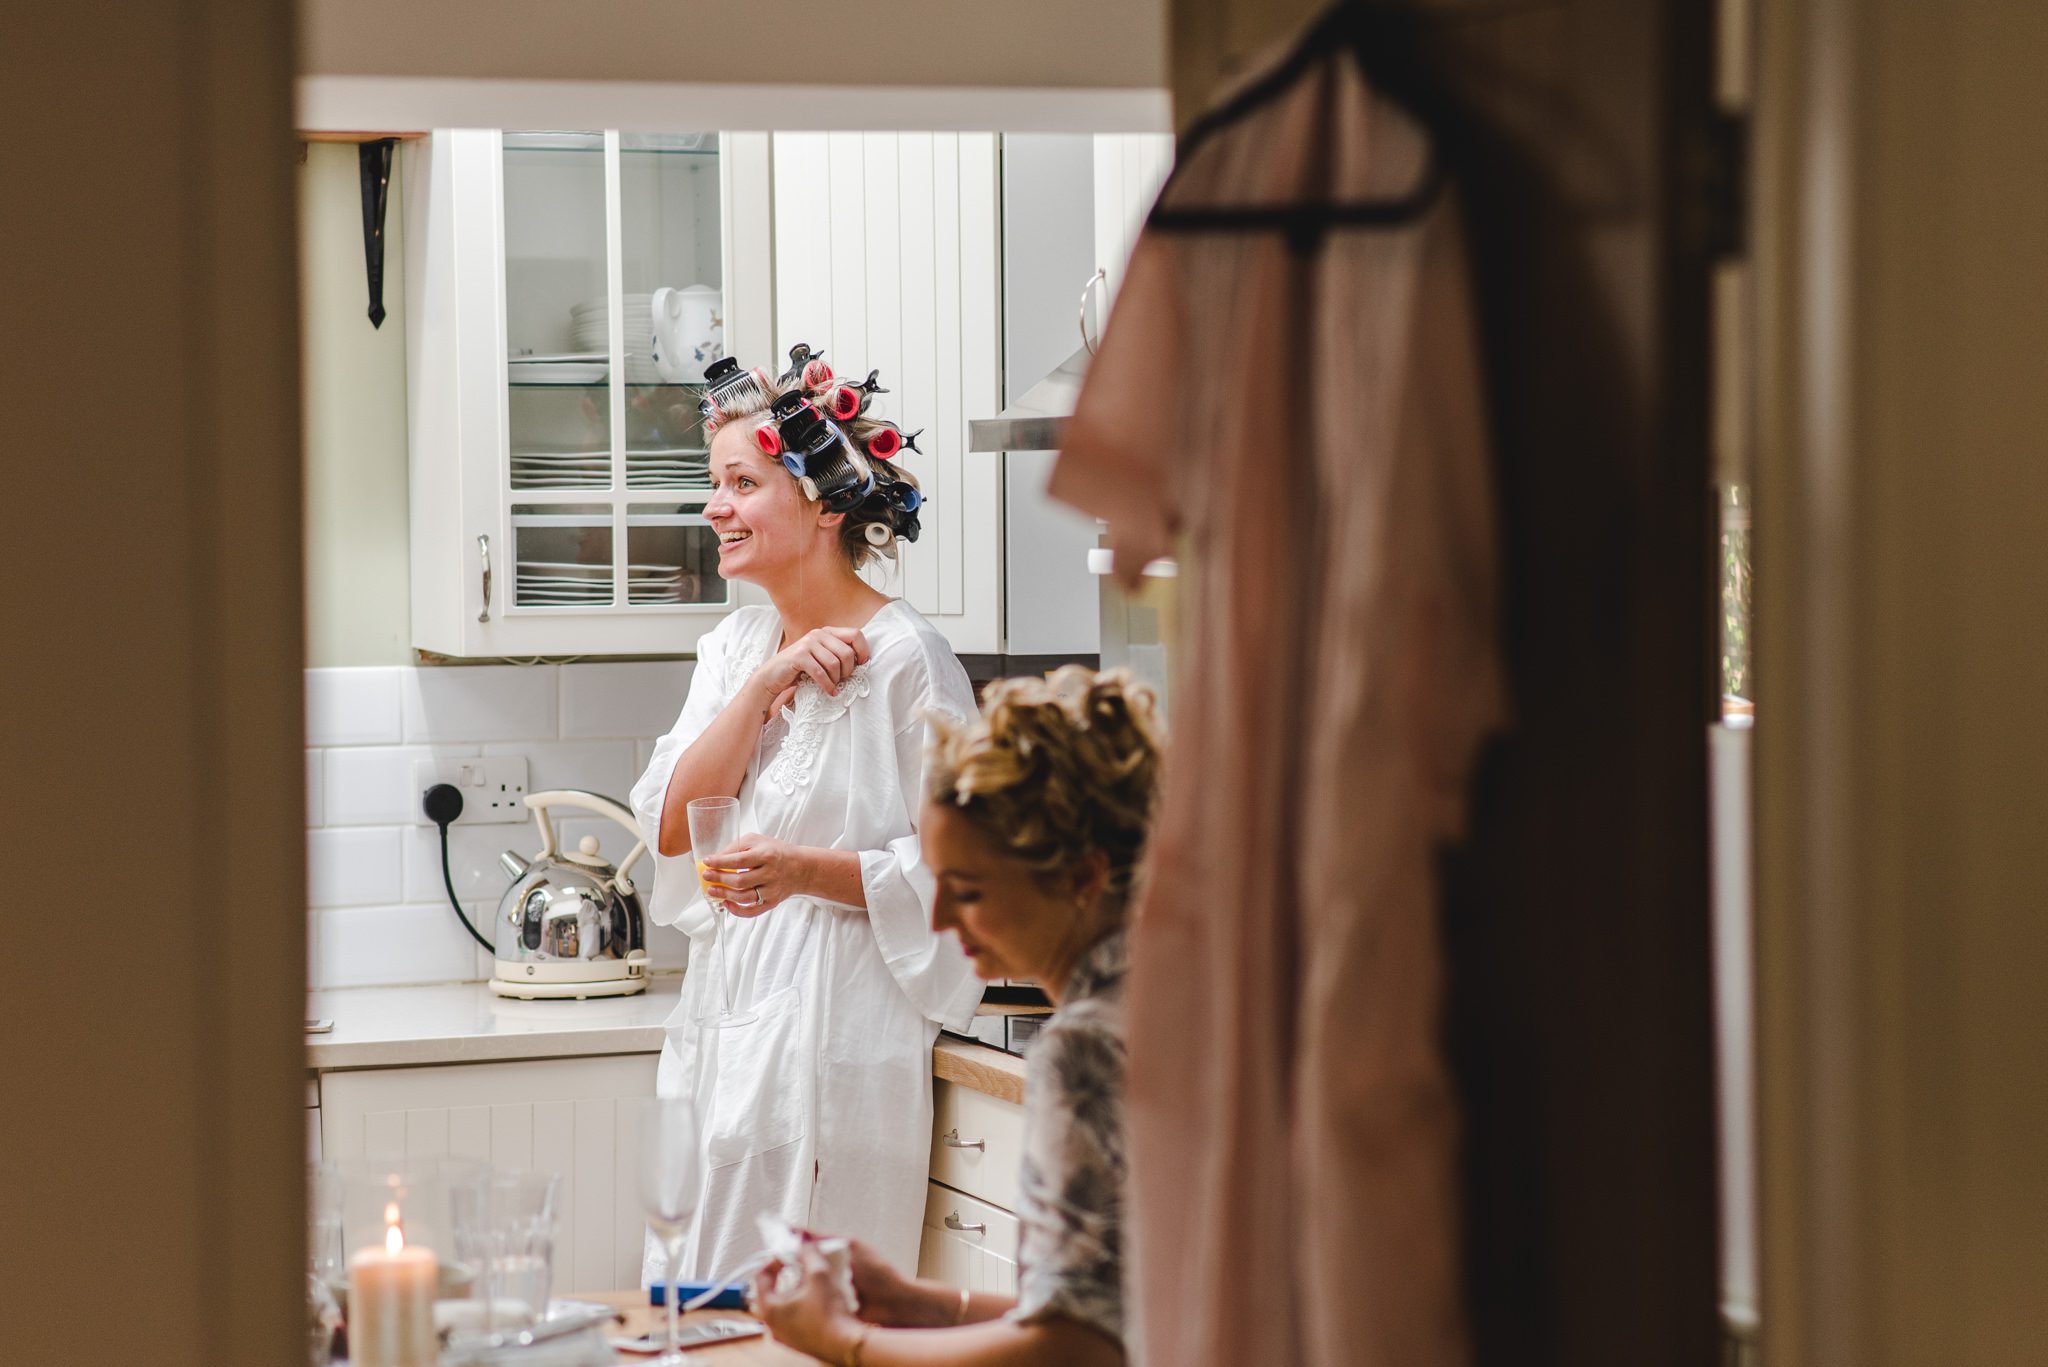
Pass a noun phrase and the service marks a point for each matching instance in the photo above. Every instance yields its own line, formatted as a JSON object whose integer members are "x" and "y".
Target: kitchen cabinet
{"x": 887, "y": 257}
{"x": 1073, "y": 205}
{"x": 557, "y": 483}
{"x": 970, "y": 1220}
{"x": 573, "y": 1116}
{"x": 968, "y": 1242}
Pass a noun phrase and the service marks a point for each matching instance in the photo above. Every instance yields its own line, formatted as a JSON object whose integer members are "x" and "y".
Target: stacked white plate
{"x": 550, "y": 584}
{"x": 546, "y": 584}
{"x": 676, "y": 467}
{"x": 561, "y": 469}
{"x": 589, "y": 324}
{"x": 654, "y": 584}
{"x": 572, "y": 367}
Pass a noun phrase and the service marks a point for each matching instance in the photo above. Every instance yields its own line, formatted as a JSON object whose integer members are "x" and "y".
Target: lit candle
{"x": 391, "y": 1302}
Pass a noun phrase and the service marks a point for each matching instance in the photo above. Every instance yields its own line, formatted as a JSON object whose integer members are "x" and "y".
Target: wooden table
{"x": 642, "y": 1318}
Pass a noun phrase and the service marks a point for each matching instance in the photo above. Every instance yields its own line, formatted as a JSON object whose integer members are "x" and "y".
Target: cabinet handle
{"x": 483, "y": 549}
{"x": 952, "y": 1140}
{"x": 953, "y": 1223}
{"x": 1101, "y": 277}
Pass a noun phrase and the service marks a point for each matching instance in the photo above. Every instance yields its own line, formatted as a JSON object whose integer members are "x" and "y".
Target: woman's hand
{"x": 827, "y": 657}
{"x": 887, "y": 1297}
{"x": 812, "y": 1318}
{"x": 758, "y": 873}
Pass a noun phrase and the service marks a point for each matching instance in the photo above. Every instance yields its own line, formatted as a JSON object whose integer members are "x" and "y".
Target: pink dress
{"x": 1306, "y": 428}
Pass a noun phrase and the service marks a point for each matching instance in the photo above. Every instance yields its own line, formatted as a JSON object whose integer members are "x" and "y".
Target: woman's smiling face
{"x": 763, "y": 523}
{"x": 1009, "y": 923}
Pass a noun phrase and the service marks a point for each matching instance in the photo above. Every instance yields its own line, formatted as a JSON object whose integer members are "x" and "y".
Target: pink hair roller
{"x": 817, "y": 375}
{"x": 844, "y": 404}
{"x": 769, "y": 439}
{"x": 884, "y": 444}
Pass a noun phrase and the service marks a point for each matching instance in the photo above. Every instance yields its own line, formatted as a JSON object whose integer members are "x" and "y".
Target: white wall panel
{"x": 897, "y": 270}
{"x": 917, "y": 369}
{"x": 572, "y": 1116}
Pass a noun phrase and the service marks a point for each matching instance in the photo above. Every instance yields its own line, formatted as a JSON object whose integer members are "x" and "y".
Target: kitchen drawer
{"x": 968, "y": 1242}
{"x": 987, "y": 1143}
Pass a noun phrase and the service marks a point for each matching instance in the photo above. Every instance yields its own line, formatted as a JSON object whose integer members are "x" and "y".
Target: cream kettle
{"x": 570, "y": 925}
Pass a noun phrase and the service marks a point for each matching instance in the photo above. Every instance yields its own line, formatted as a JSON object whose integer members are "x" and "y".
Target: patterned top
{"x": 1070, "y": 1253}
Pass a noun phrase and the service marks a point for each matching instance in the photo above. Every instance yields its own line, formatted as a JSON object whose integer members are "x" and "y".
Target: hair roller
{"x": 769, "y": 438}
{"x": 844, "y": 404}
{"x": 878, "y": 533}
{"x": 817, "y": 374}
{"x": 885, "y": 443}
{"x": 808, "y": 487}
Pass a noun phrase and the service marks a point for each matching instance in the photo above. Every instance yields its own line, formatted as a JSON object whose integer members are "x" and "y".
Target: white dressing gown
{"x": 818, "y": 1112}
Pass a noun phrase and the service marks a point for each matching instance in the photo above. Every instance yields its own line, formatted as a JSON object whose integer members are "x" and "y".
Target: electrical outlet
{"x": 493, "y": 786}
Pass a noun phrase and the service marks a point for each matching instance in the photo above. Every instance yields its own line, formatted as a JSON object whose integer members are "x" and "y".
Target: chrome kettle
{"x": 570, "y": 925}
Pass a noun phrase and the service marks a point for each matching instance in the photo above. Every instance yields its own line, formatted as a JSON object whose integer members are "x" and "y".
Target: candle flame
{"x": 394, "y": 1235}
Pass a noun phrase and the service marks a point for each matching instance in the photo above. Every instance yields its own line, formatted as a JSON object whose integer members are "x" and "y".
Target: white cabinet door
{"x": 557, "y": 484}
{"x": 573, "y": 1116}
{"x": 1129, "y": 169}
{"x": 968, "y": 1242}
{"x": 886, "y": 257}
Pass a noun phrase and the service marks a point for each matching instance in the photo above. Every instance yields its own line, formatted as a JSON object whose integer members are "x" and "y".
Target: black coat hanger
{"x": 1381, "y": 39}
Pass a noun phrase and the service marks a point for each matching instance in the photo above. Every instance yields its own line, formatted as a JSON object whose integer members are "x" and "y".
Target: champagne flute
{"x": 715, "y": 826}
{"x": 671, "y": 1181}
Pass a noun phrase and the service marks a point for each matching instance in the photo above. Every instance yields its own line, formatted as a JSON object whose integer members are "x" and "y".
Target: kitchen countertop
{"x": 397, "y": 1027}
{"x": 402, "y": 1027}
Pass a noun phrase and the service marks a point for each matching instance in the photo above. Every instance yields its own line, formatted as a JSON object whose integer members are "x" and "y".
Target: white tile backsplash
{"x": 604, "y": 767}
{"x": 472, "y": 861}
{"x": 354, "y": 706}
{"x": 638, "y": 699}
{"x": 316, "y": 768}
{"x": 373, "y": 785}
{"x": 375, "y": 946}
{"x": 353, "y": 867}
{"x": 481, "y": 703}
{"x": 379, "y": 912}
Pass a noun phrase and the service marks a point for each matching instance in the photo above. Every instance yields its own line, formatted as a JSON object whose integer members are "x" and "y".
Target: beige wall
{"x": 1060, "y": 44}
{"x": 357, "y": 597}
{"x": 1902, "y": 741}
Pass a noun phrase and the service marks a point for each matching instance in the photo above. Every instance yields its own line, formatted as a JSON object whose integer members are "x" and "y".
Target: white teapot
{"x": 689, "y": 331}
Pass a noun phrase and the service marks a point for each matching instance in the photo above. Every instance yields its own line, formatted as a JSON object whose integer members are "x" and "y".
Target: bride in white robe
{"x": 812, "y": 713}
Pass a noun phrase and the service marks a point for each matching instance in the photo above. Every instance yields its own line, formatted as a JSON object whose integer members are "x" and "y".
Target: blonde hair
{"x": 1055, "y": 770}
{"x": 748, "y": 402}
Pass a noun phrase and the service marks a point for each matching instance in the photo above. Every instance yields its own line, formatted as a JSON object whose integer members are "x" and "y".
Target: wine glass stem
{"x": 724, "y": 968}
{"x": 675, "y": 1297}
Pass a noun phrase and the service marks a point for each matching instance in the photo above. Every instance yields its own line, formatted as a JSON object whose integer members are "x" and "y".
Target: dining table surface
{"x": 642, "y": 1318}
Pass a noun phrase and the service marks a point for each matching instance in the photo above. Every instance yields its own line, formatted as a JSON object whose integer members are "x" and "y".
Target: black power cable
{"x": 442, "y": 804}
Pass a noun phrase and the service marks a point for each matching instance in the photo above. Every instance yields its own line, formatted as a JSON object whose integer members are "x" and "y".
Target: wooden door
{"x": 1577, "y": 919}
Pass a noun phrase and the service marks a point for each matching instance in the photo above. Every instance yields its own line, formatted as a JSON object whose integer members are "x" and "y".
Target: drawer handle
{"x": 952, "y": 1140}
{"x": 953, "y": 1223}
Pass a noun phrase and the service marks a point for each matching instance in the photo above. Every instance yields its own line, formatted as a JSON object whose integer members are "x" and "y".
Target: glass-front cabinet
{"x": 565, "y": 291}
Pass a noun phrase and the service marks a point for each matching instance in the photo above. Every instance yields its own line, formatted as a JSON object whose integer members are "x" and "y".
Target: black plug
{"x": 442, "y": 804}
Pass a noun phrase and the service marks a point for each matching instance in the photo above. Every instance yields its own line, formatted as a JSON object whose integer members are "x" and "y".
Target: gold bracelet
{"x": 856, "y": 1352}
{"x": 960, "y": 1317}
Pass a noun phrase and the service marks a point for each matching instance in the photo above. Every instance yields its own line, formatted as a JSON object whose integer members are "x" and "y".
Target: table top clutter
{"x": 642, "y": 1318}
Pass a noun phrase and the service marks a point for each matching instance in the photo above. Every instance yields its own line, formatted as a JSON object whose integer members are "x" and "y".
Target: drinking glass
{"x": 715, "y": 826}
{"x": 519, "y": 1243}
{"x": 326, "y": 1268}
{"x": 671, "y": 1180}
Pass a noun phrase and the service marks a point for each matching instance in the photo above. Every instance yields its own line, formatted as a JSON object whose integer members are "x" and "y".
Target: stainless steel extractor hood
{"x": 1037, "y": 420}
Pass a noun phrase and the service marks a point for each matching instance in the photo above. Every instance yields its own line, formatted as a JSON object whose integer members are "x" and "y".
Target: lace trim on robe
{"x": 797, "y": 733}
